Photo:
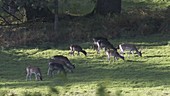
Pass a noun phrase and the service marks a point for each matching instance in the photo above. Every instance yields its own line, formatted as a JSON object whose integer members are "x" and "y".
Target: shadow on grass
{"x": 135, "y": 61}
{"x": 155, "y": 56}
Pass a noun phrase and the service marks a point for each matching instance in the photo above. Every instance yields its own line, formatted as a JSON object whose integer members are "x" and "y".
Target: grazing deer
{"x": 115, "y": 54}
{"x": 33, "y": 70}
{"x": 52, "y": 66}
{"x": 129, "y": 47}
{"x": 78, "y": 49}
{"x": 63, "y": 60}
{"x": 105, "y": 44}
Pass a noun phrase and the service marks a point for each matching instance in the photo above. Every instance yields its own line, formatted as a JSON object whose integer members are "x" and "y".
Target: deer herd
{"x": 60, "y": 63}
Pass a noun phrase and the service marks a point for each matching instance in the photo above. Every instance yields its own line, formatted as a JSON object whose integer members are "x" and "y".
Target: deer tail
{"x": 84, "y": 52}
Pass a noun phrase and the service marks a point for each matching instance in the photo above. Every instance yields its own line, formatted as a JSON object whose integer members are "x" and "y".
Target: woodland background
{"x": 52, "y": 22}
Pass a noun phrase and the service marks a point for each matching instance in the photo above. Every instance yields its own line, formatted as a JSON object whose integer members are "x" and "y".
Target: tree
{"x": 47, "y": 10}
{"x": 105, "y": 7}
{"x": 33, "y": 10}
{"x": 56, "y": 15}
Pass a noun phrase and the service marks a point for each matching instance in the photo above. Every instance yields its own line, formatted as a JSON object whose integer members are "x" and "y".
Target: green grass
{"x": 94, "y": 75}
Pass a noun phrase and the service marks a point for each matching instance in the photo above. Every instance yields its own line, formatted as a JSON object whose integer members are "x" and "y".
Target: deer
{"x": 129, "y": 47}
{"x": 115, "y": 54}
{"x": 95, "y": 39}
{"x": 95, "y": 42}
{"x": 77, "y": 48}
{"x": 33, "y": 70}
{"x": 105, "y": 44}
{"x": 53, "y": 66}
{"x": 64, "y": 61}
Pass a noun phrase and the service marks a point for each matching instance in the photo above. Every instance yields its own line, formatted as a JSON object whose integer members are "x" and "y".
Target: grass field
{"x": 94, "y": 75}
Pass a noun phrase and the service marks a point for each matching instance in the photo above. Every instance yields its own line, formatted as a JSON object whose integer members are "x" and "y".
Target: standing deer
{"x": 64, "y": 61}
{"x": 95, "y": 39}
{"x": 129, "y": 47}
{"x": 105, "y": 44}
{"x": 33, "y": 70}
{"x": 77, "y": 48}
{"x": 52, "y": 66}
{"x": 115, "y": 54}
{"x": 96, "y": 46}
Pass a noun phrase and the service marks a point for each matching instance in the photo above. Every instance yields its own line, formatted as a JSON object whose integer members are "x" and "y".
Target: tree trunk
{"x": 105, "y": 7}
{"x": 56, "y": 16}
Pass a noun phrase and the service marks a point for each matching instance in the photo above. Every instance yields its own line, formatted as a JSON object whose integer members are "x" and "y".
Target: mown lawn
{"x": 94, "y": 75}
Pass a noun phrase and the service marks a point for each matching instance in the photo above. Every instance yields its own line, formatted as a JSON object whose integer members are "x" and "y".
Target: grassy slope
{"x": 148, "y": 75}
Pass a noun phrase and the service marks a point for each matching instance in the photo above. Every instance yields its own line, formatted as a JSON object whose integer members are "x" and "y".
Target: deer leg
{"x": 108, "y": 57}
{"x": 52, "y": 72}
{"x": 105, "y": 49}
{"x": 115, "y": 58}
{"x": 132, "y": 52}
{"x": 27, "y": 76}
{"x": 30, "y": 75}
{"x": 72, "y": 52}
{"x": 95, "y": 47}
{"x": 49, "y": 72}
{"x": 128, "y": 54}
{"x": 98, "y": 49}
{"x": 36, "y": 76}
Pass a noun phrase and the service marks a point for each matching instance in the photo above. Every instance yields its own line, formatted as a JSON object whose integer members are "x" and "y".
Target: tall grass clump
{"x": 53, "y": 90}
{"x": 118, "y": 93}
{"x": 101, "y": 90}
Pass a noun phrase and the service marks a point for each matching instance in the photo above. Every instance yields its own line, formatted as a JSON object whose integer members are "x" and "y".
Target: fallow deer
{"x": 52, "y": 66}
{"x": 105, "y": 44}
{"x": 33, "y": 70}
{"x": 63, "y": 60}
{"x": 95, "y": 42}
{"x": 77, "y": 48}
{"x": 95, "y": 39}
{"x": 115, "y": 54}
{"x": 129, "y": 47}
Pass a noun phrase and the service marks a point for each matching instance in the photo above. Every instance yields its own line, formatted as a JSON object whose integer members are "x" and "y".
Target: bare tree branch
{"x": 4, "y": 19}
{"x": 11, "y": 14}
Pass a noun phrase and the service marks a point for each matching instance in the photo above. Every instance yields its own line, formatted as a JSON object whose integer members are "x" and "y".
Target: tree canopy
{"x": 44, "y": 9}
